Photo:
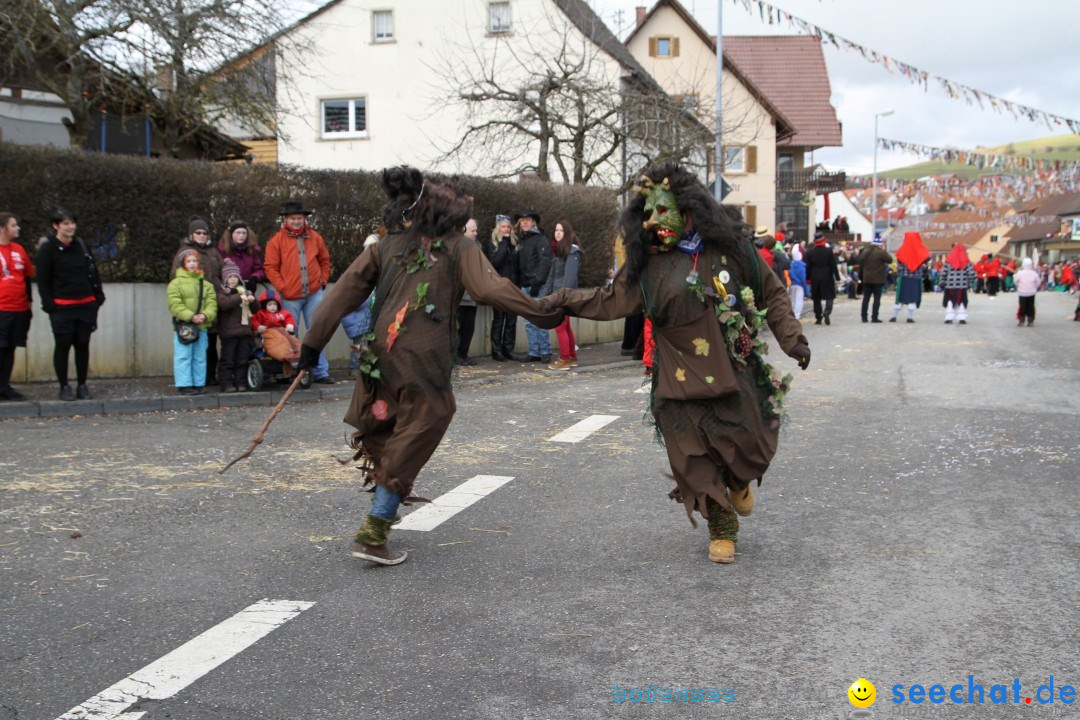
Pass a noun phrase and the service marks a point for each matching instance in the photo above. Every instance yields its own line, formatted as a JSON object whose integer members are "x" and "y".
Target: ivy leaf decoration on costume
{"x": 701, "y": 347}
{"x": 423, "y": 258}
{"x": 421, "y": 295}
{"x": 746, "y": 349}
{"x": 680, "y": 375}
{"x": 698, "y": 288}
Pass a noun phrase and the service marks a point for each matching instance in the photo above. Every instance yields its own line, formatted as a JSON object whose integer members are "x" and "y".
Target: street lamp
{"x": 873, "y": 192}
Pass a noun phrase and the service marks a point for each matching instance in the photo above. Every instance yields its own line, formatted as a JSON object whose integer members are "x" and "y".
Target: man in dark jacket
{"x": 873, "y": 261}
{"x": 823, "y": 272}
{"x": 534, "y": 260}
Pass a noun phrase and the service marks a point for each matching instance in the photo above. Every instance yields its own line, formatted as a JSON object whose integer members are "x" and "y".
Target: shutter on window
{"x": 652, "y": 47}
{"x": 750, "y": 212}
{"x": 674, "y": 47}
{"x": 751, "y": 158}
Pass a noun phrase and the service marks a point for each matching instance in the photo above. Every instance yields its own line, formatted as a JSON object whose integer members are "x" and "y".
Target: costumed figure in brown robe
{"x": 716, "y": 403}
{"x": 403, "y": 402}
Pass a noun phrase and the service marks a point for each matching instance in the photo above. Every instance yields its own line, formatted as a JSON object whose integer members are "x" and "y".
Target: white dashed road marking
{"x": 582, "y": 430}
{"x": 430, "y": 516}
{"x": 173, "y": 672}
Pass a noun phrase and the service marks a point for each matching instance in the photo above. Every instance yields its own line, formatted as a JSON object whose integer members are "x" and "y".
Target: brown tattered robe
{"x": 401, "y": 418}
{"x": 708, "y": 409}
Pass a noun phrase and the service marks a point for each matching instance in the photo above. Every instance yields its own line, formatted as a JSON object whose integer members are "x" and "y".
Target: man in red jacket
{"x": 764, "y": 242}
{"x": 16, "y": 277}
{"x": 980, "y": 275}
{"x": 298, "y": 266}
{"x": 993, "y": 275}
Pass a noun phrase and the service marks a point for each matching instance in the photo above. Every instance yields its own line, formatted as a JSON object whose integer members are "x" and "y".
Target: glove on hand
{"x": 801, "y": 352}
{"x": 309, "y": 357}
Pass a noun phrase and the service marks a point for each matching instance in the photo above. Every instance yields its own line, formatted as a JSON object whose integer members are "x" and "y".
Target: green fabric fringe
{"x": 374, "y": 532}
{"x": 723, "y": 524}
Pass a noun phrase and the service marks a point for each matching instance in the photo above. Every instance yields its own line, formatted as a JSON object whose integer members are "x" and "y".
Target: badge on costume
{"x": 691, "y": 243}
{"x": 725, "y": 277}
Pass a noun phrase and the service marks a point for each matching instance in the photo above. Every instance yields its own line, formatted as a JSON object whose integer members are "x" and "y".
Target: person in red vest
{"x": 764, "y": 242}
{"x": 993, "y": 275}
{"x": 980, "y": 275}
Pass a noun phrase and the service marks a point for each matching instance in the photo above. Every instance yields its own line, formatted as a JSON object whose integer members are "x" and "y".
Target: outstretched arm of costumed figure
{"x": 352, "y": 288}
{"x": 617, "y": 300}
{"x": 487, "y": 288}
{"x": 785, "y": 328}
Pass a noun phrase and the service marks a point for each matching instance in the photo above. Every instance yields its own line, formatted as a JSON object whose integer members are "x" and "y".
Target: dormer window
{"x": 664, "y": 46}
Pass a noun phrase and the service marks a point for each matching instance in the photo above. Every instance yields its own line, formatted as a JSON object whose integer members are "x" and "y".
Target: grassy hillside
{"x": 1057, "y": 147}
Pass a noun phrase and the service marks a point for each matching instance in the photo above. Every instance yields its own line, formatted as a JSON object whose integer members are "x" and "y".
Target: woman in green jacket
{"x": 191, "y": 300}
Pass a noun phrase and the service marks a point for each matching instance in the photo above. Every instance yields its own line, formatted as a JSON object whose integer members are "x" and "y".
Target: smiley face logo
{"x": 862, "y": 693}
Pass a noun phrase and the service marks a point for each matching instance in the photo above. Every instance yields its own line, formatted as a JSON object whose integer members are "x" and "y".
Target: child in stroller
{"x": 277, "y": 350}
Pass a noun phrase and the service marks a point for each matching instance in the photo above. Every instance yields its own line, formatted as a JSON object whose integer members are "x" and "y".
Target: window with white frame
{"x": 382, "y": 23}
{"x": 498, "y": 17}
{"x": 734, "y": 160}
{"x": 344, "y": 118}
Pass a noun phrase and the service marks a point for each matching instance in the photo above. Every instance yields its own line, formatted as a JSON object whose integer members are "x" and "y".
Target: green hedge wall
{"x": 133, "y": 211}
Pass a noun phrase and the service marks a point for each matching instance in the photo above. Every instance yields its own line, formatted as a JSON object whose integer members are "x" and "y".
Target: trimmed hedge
{"x": 133, "y": 211}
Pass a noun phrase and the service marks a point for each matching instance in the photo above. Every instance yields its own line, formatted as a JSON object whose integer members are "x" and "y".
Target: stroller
{"x": 262, "y": 369}
{"x": 262, "y": 366}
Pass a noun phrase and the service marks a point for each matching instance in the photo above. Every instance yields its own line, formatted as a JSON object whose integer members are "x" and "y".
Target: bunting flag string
{"x": 978, "y": 160}
{"x": 913, "y": 74}
{"x": 1002, "y": 188}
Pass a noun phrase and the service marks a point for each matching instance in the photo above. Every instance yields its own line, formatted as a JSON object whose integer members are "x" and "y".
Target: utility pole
{"x": 718, "y": 191}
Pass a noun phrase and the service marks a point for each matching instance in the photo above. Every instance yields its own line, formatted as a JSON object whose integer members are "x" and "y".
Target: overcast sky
{"x": 1026, "y": 51}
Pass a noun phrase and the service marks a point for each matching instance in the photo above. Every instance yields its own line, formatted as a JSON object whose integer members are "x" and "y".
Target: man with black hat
{"x": 298, "y": 266}
{"x": 534, "y": 254}
{"x": 823, "y": 272}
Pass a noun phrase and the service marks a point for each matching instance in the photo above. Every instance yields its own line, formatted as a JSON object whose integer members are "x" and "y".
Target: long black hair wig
{"x": 714, "y": 223}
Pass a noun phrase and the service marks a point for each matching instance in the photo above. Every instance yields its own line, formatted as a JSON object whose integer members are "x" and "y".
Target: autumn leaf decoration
{"x": 397, "y": 326}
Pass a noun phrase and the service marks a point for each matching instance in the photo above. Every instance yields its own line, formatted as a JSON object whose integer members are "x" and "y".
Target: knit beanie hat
{"x": 197, "y": 223}
{"x": 228, "y": 268}
{"x": 188, "y": 251}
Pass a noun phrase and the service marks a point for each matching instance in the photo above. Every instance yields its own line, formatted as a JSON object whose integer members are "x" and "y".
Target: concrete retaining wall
{"x": 134, "y": 337}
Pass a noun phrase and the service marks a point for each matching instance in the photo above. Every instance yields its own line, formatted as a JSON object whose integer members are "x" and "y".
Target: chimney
{"x": 641, "y": 13}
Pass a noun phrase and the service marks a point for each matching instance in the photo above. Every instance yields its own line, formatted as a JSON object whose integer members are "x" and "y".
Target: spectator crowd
{"x": 235, "y": 303}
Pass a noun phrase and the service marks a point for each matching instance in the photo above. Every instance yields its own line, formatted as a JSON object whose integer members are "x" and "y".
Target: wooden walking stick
{"x": 273, "y": 414}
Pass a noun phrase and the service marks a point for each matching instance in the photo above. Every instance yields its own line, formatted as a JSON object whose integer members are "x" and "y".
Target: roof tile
{"x": 790, "y": 70}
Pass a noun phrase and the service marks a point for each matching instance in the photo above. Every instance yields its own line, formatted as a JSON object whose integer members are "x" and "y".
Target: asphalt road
{"x": 918, "y": 526}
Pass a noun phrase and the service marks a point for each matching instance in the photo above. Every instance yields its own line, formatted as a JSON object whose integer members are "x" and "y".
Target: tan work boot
{"x": 722, "y": 551}
{"x": 742, "y": 502}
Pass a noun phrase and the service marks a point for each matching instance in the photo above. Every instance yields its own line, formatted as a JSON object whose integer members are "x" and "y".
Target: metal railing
{"x": 816, "y": 180}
